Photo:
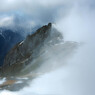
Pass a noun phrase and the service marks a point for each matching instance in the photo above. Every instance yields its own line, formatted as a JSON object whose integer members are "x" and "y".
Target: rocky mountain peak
{"x": 26, "y": 51}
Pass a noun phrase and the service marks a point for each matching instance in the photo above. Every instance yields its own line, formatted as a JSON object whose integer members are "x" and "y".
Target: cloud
{"x": 6, "y": 21}
{"x": 76, "y": 20}
{"x": 43, "y": 11}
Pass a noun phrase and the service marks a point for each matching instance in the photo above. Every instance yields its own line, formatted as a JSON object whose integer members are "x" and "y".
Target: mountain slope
{"x": 29, "y": 49}
{"x": 8, "y": 39}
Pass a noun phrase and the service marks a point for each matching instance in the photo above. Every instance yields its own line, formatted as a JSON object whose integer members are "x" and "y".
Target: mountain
{"x": 26, "y": 51}
{"x": 8, "y": 39}
{"x": 40, "y": 52}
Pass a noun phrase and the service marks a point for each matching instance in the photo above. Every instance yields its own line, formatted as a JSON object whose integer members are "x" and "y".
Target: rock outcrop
{"x": 8, "y": 39}
{"x": 26, "y": 51}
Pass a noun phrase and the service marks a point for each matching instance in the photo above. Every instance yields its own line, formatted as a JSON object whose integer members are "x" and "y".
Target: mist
{"x": 75, "y": 20}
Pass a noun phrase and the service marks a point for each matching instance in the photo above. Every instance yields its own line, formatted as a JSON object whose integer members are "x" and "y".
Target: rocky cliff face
{"x": 26, "y": 51}
{"x": 8, "y": 39}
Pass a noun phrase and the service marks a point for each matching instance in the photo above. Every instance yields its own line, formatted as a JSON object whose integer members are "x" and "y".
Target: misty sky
{"x": 76, "y": 20}
{"x": 41, "y": 11}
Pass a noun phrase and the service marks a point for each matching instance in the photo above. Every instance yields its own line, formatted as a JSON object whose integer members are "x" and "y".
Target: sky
{"x": 42, "y": 11}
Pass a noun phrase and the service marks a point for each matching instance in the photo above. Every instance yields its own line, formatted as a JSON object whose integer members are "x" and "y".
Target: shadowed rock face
{"x": 41, "y": 52}
{"x": 8, "y": 39}
{"x": 26, "y": 51}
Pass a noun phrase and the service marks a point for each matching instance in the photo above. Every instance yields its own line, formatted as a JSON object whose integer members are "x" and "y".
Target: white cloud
{"x": 76, "y": 20}
{"x": 6, "y": 21}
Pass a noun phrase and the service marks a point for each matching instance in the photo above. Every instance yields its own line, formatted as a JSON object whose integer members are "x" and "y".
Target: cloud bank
{"x": 76, "y": 20}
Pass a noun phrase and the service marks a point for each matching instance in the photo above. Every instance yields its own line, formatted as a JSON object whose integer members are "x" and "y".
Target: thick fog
{"x": 75, "y": 19}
